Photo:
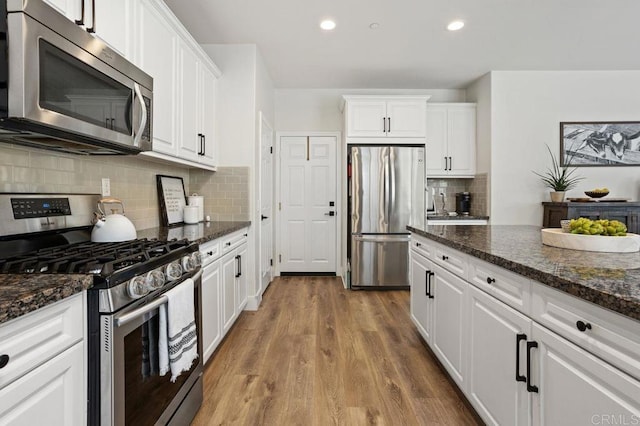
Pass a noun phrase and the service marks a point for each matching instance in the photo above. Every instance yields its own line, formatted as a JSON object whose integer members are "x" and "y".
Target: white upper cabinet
{"x": 190, "y": 140}
{"x": 156, "y": 54}
{"x": 386, "y": 117}
{"x": 451, "y": 140}
{"x": 111, "y": 20}
{"x": 207, "y": 104}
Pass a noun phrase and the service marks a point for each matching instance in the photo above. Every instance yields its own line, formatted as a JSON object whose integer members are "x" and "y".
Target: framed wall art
{"x": 172, "y": 198}
{"x": 607, "y": 143}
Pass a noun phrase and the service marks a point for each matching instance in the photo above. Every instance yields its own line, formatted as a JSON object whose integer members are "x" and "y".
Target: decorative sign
{"x": 172, "y": 198}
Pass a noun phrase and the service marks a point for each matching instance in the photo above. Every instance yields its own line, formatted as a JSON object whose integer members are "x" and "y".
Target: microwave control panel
{"x": 26, "y": 208}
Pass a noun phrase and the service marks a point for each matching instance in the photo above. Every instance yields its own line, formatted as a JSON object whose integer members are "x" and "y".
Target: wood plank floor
{"x": 317, "y": 354}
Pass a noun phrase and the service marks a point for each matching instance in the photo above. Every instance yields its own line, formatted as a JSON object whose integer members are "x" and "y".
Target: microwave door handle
{"x": 92, "y": 29}
{"x": 81, "y": 20}
{"x": 143, "y": 122}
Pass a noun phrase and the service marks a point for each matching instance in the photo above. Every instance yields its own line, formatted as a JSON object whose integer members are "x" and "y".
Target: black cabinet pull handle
{"x": 388, "y": 124}
{"x": 431, "y": 274}
{"x": 450, "y": 164}
{"x": 92, "y": 29}
{"x": 238, "y": 265}
{"x": 200, "y": 142}
{"x": 204, "y": 144}
{"x": 519, "y": 338}
{"x": 490, "y": 280}
{"x": 446, "y": 164}
{"x": 445, "y": 257}
{"x": 4, "y": 360}
{"x": 426, "y": 282}
{"x": 530, "y": 387}
{"x": 81, "y": 20}
{"x": 228, "y": 243}
{"x": 418, "y": 244}
{"x": 210, "y": 253}
{"x": 246, "y": 235}
{"x": 583, "y": 326}
{"x": 384, "y": 125}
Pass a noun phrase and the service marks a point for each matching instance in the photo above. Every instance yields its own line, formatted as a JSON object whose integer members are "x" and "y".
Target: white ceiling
{"x": 412, "y": 48}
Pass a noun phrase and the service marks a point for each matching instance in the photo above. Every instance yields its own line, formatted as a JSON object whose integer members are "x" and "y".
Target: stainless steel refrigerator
{"x": 386, "y": 193}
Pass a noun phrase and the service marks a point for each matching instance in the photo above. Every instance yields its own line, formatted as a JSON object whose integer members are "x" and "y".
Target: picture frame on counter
{"x": 600, "y": 143}
{"x": 172, "y": 198}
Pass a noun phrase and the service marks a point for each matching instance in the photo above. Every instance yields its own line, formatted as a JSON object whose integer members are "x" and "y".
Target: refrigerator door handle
{"x": 386, "y": 208}
{"x": 383, "y": 237}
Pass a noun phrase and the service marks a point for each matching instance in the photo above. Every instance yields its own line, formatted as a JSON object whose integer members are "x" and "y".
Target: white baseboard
{"x": 253, "y": 303}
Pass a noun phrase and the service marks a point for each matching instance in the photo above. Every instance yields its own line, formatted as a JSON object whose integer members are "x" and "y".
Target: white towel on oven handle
{"x": 178, "y": 340}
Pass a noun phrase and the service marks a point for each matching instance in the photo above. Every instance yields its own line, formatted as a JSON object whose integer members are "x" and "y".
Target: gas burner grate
{"x": 90, "y": 258}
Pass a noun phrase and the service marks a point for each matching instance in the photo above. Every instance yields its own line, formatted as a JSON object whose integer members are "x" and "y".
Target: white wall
{"x": 319, "y": 109}
{"x": 235, "y": 102}
{"x": 527, "y": 107}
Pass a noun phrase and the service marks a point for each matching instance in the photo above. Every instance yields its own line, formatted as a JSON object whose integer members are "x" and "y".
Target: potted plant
{"x": 559, "y": 178}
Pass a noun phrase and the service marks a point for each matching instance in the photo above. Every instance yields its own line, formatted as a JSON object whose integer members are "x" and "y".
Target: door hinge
{"x": 280, "y": 258}
{"x": 270, "y": 262}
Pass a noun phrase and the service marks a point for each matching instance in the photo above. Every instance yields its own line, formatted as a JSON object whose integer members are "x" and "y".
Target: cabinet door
{"x": 241, "y": 282}
{"x": 114, "y": 24}
{"x": 207, "y": 114}
{"x": 189, "y": 140}
{"x": 68, "y": 8}
{"x": 436, "y": 146}
{"x": 156, "y": 53}
{"x": 449, "y": 322}
{"x": 366, "y": 118}
{"x": 461, "y": 140}
{"x": 211, "y": 312}
{"x": 52, "y": 394}
{"x": 406, "y": 119}
{"x": 577, "y": 388}
{"x": 493, "y": 345}
{"x": 421, "y": 306}
{"x": 228, "y": 265}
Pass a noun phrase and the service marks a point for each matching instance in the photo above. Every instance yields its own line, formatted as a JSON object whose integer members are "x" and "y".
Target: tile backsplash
{"x": 476, "y": 186}
{"x": 133, "y": 179}
{"x": 226, "y": 192}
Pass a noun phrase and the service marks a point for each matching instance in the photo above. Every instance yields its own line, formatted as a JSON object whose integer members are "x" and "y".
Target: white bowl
{"x": 556, "y": 237}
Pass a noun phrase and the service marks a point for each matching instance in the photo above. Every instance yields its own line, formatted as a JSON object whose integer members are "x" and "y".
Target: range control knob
{"x": 197, "y": 258}
{"x": 155, "y": 279}
{"x": 137, "y": 287}
{"x": 189, "y": 263}
{"x": 173, "y": 271}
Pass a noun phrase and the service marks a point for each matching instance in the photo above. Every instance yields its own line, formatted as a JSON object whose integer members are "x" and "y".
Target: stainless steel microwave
{"x": 63, "y": 89}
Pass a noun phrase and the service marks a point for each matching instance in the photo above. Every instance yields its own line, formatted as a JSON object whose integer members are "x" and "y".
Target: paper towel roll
{"x": 196, "y": 200}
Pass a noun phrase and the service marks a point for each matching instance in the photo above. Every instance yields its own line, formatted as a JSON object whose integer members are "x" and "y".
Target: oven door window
{"x": 74, "y": 89}
{"x": 146, "y": 393}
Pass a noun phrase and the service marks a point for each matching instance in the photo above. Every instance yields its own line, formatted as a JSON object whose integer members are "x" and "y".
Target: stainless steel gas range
{"x": 50, "y": 234}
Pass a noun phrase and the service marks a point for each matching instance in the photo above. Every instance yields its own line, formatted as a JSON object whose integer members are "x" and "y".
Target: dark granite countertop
{"x": 200, "y": 232}
{"x": 23, "y": 293}
{"x": 458, "y": 217}
{"x": 611, "y": 280}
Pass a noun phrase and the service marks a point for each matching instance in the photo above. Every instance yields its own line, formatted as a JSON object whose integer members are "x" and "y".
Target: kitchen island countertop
{"x": 611, "y": 280}
{"x": 23, "y": 293}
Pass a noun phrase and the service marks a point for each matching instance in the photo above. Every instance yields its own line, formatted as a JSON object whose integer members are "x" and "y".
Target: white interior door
{"x": 308, "y": 212}
{"x": 266, "y": 203}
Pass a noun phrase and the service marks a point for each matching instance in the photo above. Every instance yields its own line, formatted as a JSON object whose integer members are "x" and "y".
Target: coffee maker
{"x": 463, "y": 203}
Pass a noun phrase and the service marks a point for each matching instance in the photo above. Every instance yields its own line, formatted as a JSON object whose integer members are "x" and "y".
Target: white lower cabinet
{"x": 512, "y": 369}
{"x": 43, "y": 373}
{"x": 211, "y": 318}
{"x": 224, "y": 287}
{"x": 497, "y": 355}
{"x": 449, "y": 322}
{"x": 577, "y": 388}
{"x": 52, "y": 394}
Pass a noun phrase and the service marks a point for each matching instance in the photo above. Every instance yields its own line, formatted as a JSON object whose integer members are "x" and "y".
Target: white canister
{"x": 197, "y": 201}
{"x": 190, "y": 214}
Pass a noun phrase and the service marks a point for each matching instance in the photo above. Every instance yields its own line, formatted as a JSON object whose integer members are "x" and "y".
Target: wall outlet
{"x": 106, "y": 187}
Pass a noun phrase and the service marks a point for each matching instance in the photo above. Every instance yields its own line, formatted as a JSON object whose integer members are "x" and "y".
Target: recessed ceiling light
{"x": 327, "y": 24}
{"x": 455, "y": 25}
{"x": 374, "y": 25}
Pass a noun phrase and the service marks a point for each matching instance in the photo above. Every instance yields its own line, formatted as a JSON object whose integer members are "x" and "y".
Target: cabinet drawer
{"x": 39, "y": 336}
{"x": 422, "y": 245}
{"x": 512, "y": 289}
{"x": 611, "y": 336}
{"x": 452, "y": 260}
{"x": 210, "y": 251}
{"x": 231, "y": 241}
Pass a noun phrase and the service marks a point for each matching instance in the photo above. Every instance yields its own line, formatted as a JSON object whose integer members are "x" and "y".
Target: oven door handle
{"x": 127, "y": 318}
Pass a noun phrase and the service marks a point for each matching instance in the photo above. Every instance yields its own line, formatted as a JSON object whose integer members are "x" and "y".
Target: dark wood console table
{"x": 626, "y": 212}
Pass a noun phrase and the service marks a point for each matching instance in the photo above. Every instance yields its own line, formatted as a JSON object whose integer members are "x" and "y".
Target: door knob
{"x": 330, "y": 214}
{"x": 263, "y": 217}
